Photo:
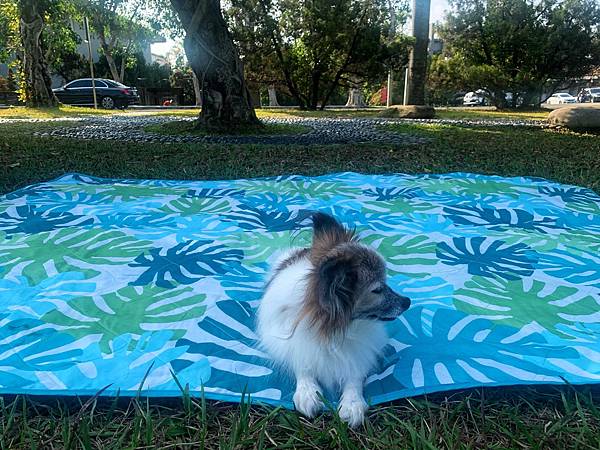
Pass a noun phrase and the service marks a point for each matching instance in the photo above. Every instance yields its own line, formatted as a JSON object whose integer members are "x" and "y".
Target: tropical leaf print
{"x": 28, "y": 352}
{"x": 582, "y": 270}
{"x": 132, "y": 192}
{"x": 73, "y": 202}
{"x": 105, "y": 281}
{"x": 185, "y": 263}
{"x": 469, "y": 187}
{"x": 21, "y": 298}
{"x": 28, "y": 219}
{"x": 383, "y": 194}
{"x": 66, "y": 250}
{"x": 488, "y": 257}
{"x": 133, "y": 359}
{"x": 575, "y": 198}
{"x": 148, "y": 222}
{"x": 498, "y": 219}
{"x": 227, "y": 333}
{"x": 261, "y": 247}
{"x": 252, "y": 218}
{"x": 216, "y": 193}
{"x": 519, "y": 303}
{"x": 468, "y": 349}
{"x": 191, "y": 206}
{"x": 130, "y": 310}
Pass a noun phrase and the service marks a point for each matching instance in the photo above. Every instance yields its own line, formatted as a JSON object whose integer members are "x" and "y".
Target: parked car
{"x": 109, "y": 93}
{"x": 561, "y": 98}
{"x": 589, "y": 95}
{"x": 476, "y": 98}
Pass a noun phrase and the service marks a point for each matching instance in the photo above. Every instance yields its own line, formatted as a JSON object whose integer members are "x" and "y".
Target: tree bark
{"x": 107, "y": 49}
{"x": 226, "y": 101}
{"x": 112, "y": 65}
{"x": 272, "y": 96}
{"x": 417, "y": 65}
{"x": 38, "y": 85}
{"x": 124, "y": 61}
{"x": 122, "y": 73}
{"x": 197, "y": 89}
{"x": 355, "y": 98}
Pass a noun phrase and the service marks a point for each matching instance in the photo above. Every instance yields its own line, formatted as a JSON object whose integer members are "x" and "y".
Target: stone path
{"x": 320, "y": 130}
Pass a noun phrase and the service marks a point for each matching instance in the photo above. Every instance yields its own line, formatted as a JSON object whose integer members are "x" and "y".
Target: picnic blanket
{"x": 151, "y": 286}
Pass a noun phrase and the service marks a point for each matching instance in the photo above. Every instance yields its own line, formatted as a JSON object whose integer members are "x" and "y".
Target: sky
{"x": 437, "y": 10}
{"x": 437, "y": 14}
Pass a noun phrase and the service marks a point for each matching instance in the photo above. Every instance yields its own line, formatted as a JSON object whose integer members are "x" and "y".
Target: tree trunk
{"x": 272, "y": 96}
{"x": 417, "y": 65}
{"x": 314, "y": 91}
{"x": 197, "y": 89}
{"x": 226, "y": 101}
{"x": 112, "y": 65}
{"x": 122, "y": 74}
{"x": 355, "y": 98}
{"x": 38, "y": 86}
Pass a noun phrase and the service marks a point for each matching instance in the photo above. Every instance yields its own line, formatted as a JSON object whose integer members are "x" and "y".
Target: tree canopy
{"x": 313, "y": 47}
{"x": 525, "y": 47}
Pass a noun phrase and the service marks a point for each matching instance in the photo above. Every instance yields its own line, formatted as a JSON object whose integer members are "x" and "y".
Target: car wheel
{"x": 107, "y": 103}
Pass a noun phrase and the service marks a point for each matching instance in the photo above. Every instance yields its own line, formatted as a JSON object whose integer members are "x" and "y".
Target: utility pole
{"x": 388, "y": 100}
{"x": 417, "y": 66}
{"x": 89, "y": 44}
{"x": 392, "y": 11}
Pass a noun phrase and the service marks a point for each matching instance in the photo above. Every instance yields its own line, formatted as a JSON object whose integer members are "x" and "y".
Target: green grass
{"x": 566, "y": 157}
{"x": 502, "y": 418}
{"x": 510, "y": 418}
{"x": 20, "y": 112}
{"x": 490, "y": 113}
{"x": 187, "y": 127}
{"x": 443, "y": 113}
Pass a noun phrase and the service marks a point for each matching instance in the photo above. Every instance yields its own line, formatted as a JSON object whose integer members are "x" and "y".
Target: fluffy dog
{"x": 321, "y": 317}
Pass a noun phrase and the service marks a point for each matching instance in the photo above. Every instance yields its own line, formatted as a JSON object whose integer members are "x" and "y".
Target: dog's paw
{"x": 352, "y": 410}
{"x": 306, "y": 398}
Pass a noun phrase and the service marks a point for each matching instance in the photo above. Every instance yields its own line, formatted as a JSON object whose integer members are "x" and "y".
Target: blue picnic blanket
{"x": 118, "y": 282}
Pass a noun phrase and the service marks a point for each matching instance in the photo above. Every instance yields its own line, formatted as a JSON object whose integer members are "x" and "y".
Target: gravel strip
{"x": 321, "y": 130}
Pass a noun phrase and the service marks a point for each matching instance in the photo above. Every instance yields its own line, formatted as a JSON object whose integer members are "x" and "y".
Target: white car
{"x": 561, "y": 98}
{"x": 476, "y": 98}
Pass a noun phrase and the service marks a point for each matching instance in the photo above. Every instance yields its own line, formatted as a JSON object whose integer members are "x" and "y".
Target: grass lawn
{"x": 510, "y": 418}
{"x": 503, "y": 418}
{"x": 476, "y": 113}
{"x": 565, "y": 157}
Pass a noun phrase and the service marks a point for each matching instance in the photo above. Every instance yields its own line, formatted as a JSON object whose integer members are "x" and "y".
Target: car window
{"x": 595, "y": 90}
{"x": 100, "y": 83}
{"x": 80, "y": 84}
{"x": 114, "y": 84}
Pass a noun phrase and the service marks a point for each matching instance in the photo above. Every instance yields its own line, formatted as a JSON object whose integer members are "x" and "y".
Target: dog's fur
{"x": 321, "y": 317}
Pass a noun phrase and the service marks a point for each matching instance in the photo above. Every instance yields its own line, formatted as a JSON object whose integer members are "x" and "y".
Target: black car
{"x": 109, "y": 93}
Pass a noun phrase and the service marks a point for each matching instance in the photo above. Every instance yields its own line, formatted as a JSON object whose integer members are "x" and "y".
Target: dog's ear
{"x": 324, "y": 223}
{"x": 327, "y": 234}
{"x": 336, "y": 284}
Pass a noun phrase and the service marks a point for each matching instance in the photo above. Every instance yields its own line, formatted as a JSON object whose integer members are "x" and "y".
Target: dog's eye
{"x": 378, "y": 290}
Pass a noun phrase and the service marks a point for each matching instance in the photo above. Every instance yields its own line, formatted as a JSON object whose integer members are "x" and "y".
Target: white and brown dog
{"x": 321, "y": 317}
